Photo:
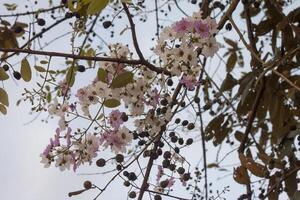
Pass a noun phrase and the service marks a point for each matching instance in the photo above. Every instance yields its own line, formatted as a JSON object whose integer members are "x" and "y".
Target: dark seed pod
{"x": 164, "y": 184}
{"x": 6, "y": 67}
{"x": 132, "y": 194}
{"x": 107, "y": 24}
{"x": 157, "y": 197}
{"x": 132, "y": 176}
{"x": 124, "y": 117}
{"x": 101, "y": 162}
{"x": 17, "y": 75}
{"x": 119, "y": 158}
{"x": 184, "y": 122}
{"x": 81, "y": 68}
{"x": 228, "y": 27}
{"x": 87, "y": 184}
{"x": 166, "y": 163}
{"x": 189, "y": 141}
{"x": 167, "y": 154}
{"x": 126, "y": 183}
{"x": 191, "y": 126}
{"x": 18, "y": 29}
{"x": 41, "y": 22}
{"x": 169, "y": 82}
{"x": 180, "y": 170}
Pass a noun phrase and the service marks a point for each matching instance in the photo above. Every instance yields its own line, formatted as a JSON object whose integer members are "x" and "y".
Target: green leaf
{"x": 122, "y": 80}
{"x": 70, "y": 77}
{"x": 25, "y": 70}
{"x": 3, "y": 97}
{"x": 213, "y": 165}
{"x": 127, "y": 1}
{"x": 39, "y": 68}
{"x": 3, "y": 109}
{"x": 3, "y": 75}
{"x": 96, "y": 6}
{"x": 49, "y": 97}
{"x": 102, "y": 75}
{"x": 112, "y": 103}
{"x": 44, "y": 62}
{"x": 10, "y": 7}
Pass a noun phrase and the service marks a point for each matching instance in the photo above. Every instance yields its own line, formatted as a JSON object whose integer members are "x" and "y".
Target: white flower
{"x": 92, "y": 143}
{"x": 46, "y": 160}
{"x": 125, "y": 135}
{"x": 137, "y": 108}
{"x": 63, "y": 161}
{"x": 62, "y": 123}
{"x": 210, "y": 48}
{"x": 57, "y": 109}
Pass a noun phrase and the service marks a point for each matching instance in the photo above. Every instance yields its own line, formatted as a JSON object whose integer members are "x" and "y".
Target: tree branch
{"x": 228, "y": 13}
{"x": 80, "y": 57}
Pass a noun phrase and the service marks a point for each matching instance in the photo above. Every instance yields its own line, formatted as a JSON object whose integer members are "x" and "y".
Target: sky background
{"x": 24, "y": 178}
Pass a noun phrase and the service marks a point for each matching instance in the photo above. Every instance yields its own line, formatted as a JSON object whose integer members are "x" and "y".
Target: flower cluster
{"x": 146, "y": 97}
{"x": 180, "y": 44}
{"x": 72, "y": 153}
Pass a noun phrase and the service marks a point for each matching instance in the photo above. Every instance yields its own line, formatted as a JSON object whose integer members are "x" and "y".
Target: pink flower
{"x": 56, "y": 138}
{"x": 116, "y": 140}
{"x": 171, "y": 182}
{"x": 68, "y": 137}
{"x": 182, "y": 180}
{"x": 119, "y": 69}
{"x": 159, "y": 173}
{"x": 73, "y": 159}
{"x": 73, "y": 107}
{"x": 182, "y": 26}
{"x": 189, "y": 83}
{"x": 201, "y": 28}
{"x": 81, "y": 94}
{"x": 63, "y": 87}
{"x": 154, "y": 98}
{"x": 115, "y": 119}
{"x": 111, "y": 139}
{"x": 48, "y": 149}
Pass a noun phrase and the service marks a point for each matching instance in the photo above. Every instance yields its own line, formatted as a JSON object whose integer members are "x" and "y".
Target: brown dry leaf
{"x": 240, "y": 175}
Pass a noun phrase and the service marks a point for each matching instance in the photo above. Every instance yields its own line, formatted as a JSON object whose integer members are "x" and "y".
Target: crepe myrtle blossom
{"x": 202, "y": 28}
{"x": 87, "y": 148}
{"x": 210, "y": 48}
{"x": 183, "y": 26}
{"x": 115, "y": 119}
{"x": 117, "y": 140}
{"x": 154, "y": 98}
{"x": 63, "y": 161}
{"x": 59, "y": 110}
{"x": 180, "y": 44}
{"x": 63, "y": 87}
{"x": 171, "y": 182}
{"x": 189, "y": 82}
{"x": 53, "y": 143}
{"x": 46, "y": 159}
{"x": 160, "y": 173}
